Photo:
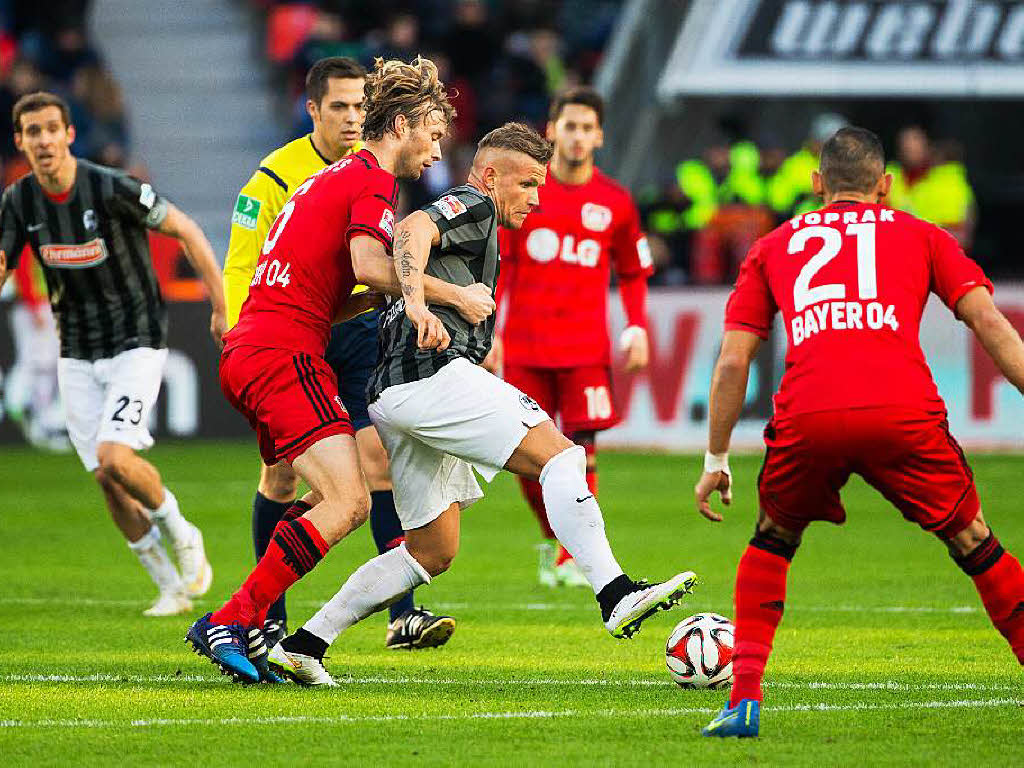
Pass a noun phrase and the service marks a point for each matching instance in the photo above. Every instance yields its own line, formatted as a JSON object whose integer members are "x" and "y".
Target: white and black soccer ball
{"x": 699, "y": 651}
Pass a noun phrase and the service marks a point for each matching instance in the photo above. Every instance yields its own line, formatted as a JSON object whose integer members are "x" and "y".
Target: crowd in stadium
{"x": 501, "y": 62}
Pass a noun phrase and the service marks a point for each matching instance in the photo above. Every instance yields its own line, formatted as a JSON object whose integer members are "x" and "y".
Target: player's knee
{"x": 435, "y": 560}
{"x": 967, "y": 541}
{"x": 114, "y": 459}
{"x": 771, "y": 537}
{"x": 105, "y": 481}
{"x": 279, "y": 482}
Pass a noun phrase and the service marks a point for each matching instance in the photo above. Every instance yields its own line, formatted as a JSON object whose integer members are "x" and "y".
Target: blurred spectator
{"x": 471, "y": 41}
{"x": 789, "y": 190}
{"x": 931, "y": 182}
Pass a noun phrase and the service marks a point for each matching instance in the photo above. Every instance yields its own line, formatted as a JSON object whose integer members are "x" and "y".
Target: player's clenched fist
{"x": 430, "y": 331}
{"x": 477, "y": 303}
{"x": 709, "y": 483}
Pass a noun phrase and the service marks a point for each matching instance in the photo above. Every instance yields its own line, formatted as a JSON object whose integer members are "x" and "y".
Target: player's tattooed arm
{"x": 375, "y": 268}
{"x": 413, "y": 237}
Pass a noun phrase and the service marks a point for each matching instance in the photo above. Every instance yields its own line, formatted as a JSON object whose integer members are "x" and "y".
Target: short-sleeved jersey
{"x": 851, "y": 282}
{"x": 468, "y": 253}
{"x": 94, "y": 252}
{"x": 304, "y": 274}
{"x": 559, "y": 270}
{"x": 258, "y": 204}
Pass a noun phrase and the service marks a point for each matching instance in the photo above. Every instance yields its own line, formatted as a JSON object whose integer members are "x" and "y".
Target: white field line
{"x": 84, "y": 723}
{"x": 889, "y": 685}
{"x": 587, "y": 607}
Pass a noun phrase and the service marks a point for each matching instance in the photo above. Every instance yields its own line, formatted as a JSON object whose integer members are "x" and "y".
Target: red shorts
{"x": 582, "y": 397}
{"x": 290, "y": 398}
{"x": 907, "y": 454}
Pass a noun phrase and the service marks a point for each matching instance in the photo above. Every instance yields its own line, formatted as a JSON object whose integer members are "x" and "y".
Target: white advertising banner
{"x": 666, "y": 405}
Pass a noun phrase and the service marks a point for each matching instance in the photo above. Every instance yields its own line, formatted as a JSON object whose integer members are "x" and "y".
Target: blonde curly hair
{"x": 395, "y": 88}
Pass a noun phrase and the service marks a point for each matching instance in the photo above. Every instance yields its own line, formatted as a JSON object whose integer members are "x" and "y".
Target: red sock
{"x": 294, "y": 549}
{"x": 999, "y": 579}
{"x": 535, "y": 498}
{"x": 295, "y": 511}
{"x": 760, "y": 599}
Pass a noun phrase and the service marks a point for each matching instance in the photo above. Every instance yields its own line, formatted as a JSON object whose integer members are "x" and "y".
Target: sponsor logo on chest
{"x": 596, "y": 218}
{"x": 89, "y": 220}
{"x": 75, "y": 256}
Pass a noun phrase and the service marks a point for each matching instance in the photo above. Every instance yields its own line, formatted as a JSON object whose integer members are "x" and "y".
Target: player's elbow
{"x": 732, "y": 364}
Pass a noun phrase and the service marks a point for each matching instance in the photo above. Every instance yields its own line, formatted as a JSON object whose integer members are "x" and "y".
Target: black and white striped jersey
{"x": 468, "y": 253}
{"x": 94, "y": 252}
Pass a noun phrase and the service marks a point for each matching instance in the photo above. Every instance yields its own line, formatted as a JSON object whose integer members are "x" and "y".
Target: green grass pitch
{"x": 884, "y": 657}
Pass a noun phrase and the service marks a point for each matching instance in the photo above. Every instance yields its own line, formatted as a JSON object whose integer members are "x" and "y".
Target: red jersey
{"x": 851, "y": 282}
{"x": 304, "y": 274}
{"x": 556, "y": 271}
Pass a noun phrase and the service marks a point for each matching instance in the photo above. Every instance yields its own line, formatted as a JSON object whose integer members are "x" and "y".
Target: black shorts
{"x": 352, "y": 354}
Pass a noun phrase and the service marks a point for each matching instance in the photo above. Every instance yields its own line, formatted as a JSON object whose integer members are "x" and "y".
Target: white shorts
{"x": 437, "y": 430}
{"x": 109, "y": 400}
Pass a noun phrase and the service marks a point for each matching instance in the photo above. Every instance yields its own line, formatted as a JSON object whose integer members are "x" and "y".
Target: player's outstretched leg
{"x": 142, "y": 481}
{"x": 577, "y": 521}
{"x": 575, "y": 517}
{"x": 760, "y": 601}
{"x": 427, "y": 552}
{"x": 998, "y": 577}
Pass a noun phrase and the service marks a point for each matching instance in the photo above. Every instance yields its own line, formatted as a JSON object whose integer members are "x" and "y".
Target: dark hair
{"x": 852, "y": 160}
{"x": 582, "y": 94}
{"x": 518, "y": 137}
{"x": 395, "y": 88}
{"x": 324, "y": 69}
{"x": 33, "y": 102}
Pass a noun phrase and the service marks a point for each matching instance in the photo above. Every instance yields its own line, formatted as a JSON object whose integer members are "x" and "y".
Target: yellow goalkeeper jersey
{"x": 258, "y": 204}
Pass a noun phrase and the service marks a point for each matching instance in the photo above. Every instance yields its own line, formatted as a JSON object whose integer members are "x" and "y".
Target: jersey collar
{"x": 313, "y": 145}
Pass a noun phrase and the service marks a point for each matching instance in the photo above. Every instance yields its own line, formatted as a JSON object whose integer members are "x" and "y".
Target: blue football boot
{"x": 226, "y": 645}
{"x": 742, "y": 720}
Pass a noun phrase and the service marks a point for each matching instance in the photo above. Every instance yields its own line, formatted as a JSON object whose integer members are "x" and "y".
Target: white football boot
{"x": 301, "y": 669}
{"x": 645, "y": 601}
{"x": 196, "y": 571}
{"x": 169, "y": 604}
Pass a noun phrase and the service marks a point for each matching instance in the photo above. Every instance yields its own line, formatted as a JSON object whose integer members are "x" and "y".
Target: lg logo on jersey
{"x": 545, "y": 245}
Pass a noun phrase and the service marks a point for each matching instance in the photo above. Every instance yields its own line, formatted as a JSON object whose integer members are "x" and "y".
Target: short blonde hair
{"x": 518, "y": 137}
{"x": 395, "y": 88}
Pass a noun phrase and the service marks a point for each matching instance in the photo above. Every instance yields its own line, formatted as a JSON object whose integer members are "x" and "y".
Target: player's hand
{"x": 430, "y": 331}
{"x": 633, "y": 342}
{"x": 218, "y": 327}
{"x": 477, "y": 303}
{"x": 495, "y": 359}
{"x": 709, "y": 483}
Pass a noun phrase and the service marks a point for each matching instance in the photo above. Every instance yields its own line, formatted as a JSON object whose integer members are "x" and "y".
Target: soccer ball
{"x": 699, "y": 652}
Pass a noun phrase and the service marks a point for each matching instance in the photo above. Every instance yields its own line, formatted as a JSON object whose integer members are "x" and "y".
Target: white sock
{"x": 575, "y": 517}
{"x": 156, "y": 562}
{"x": 177, "y": 529}
{"x": 375, "y": 585}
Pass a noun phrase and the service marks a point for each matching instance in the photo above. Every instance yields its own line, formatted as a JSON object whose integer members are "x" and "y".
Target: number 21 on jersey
{"x": 830, "y": 306}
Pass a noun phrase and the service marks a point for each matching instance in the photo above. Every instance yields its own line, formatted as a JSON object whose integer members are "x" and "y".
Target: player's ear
{"x": 72, "y": 133}
{"x": 599, "y": 138}
{"x": 817, "y": 184}
{"x": 884, "y": 185}
{"x": 549, "y": 131}
{"x": 400, "y": 124}
{"x": 312, "y": 110}
{"x": 17, "y": 140}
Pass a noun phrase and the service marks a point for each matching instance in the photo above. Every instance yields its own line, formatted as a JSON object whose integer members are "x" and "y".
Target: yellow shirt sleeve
{"x": 255, "y": 210}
